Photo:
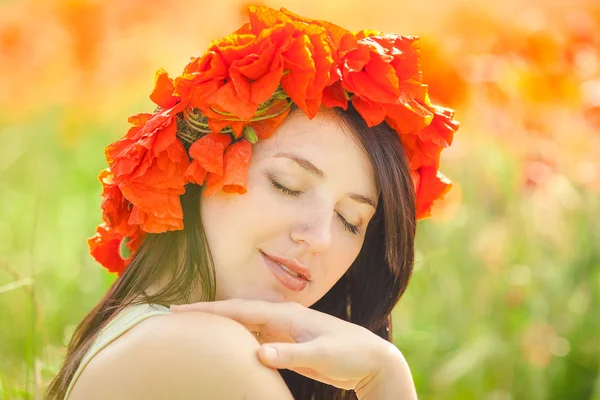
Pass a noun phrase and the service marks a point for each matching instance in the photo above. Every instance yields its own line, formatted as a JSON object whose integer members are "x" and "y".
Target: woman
{"x": 277, "y": 185}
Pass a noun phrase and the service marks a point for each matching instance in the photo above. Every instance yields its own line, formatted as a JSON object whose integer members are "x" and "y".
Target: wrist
{"x": 391, "y": 380}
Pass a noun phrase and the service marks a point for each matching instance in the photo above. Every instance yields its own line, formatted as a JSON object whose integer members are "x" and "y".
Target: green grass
{"x": 504, "y": 302}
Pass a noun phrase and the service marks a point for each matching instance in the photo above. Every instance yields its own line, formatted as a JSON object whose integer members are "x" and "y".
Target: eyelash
{"x": 347, "y": 225}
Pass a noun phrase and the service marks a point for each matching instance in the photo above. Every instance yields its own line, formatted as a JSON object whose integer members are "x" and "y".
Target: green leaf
{"x": 250, "y": 134}
{"x": 124, "y": 251}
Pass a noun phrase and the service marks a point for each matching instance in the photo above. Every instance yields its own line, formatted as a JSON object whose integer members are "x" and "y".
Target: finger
{"x": 202, "y": 306}
{"x": 249, "y": 312}
{"x": 288, "y": 355}
{"x": 208, "y": 307}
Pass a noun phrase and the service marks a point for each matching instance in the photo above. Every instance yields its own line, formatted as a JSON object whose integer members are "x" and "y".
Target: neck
{"x": 161, "y": 285}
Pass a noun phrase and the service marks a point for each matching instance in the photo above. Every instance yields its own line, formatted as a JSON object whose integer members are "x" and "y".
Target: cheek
{"x": 235, "y": 224}
{"x": 224, "y": 225}
{"x": 339, "y": 260}
{"x": 336, "y": 264}
{"x": 231, "y": 217}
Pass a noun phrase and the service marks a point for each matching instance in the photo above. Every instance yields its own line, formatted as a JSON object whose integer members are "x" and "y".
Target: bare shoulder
{"x": 184, "y": 355}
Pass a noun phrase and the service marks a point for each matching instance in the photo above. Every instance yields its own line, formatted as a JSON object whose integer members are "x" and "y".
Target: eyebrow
{"x": 310, "y": 167}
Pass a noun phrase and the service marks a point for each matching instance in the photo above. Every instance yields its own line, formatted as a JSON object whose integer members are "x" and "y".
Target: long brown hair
{"x": 365, "y": 295}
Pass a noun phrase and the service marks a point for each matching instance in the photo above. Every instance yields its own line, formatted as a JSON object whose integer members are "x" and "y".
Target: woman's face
{"x": 307, "y": 207}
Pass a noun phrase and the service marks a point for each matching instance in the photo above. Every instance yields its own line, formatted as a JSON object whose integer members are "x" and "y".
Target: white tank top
{"x": 121, "y": 323}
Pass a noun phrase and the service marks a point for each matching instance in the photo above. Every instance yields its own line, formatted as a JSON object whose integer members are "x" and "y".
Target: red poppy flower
{"x": 277, "y": 111}
{"x": 148, "y": 166}
{"x": 430, "y": 185}
{"x": 164, "y": 89}
{"x": 105, "y": 247}
{"x": 235, "y": 170}
{"x": 237, "y": 73}
{"x": 241, "y": 71}
{"x": 207, "y": 153}
{"x": 382, "y": 70}
{"x": 115, "y": 208}
{"x": 423, "y": 145}
{"x": 237, "y": 161}
{"x": 245, "y": 83}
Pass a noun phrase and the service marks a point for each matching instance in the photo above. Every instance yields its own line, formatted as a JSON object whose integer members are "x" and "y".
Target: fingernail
{"x": 270, "y": 353}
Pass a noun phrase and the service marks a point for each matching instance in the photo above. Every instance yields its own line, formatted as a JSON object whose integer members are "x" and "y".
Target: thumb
{"x": 287, "y": 355}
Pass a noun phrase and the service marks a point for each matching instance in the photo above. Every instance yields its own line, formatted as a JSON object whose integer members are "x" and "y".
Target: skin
{"x": 321, "y": 347}
{"x": 177, "y": 357}
{"x": 268, "y": 219}
{"x": 193, "y": 348}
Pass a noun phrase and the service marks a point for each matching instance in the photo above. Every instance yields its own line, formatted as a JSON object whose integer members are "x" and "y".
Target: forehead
{"x": 326, "y": 142}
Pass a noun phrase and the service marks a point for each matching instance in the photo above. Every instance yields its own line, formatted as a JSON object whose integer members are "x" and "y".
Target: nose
{"x": 314, "y": 230}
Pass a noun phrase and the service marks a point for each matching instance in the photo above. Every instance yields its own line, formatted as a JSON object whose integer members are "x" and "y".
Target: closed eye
{"x": 283, "y": 189}
{"x": 347, "y": 225}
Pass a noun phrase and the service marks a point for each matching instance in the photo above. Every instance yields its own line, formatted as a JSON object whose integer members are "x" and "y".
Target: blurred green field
{"x": 505, "y": 299}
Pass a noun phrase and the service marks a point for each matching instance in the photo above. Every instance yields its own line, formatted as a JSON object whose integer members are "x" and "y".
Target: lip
{"x": 292, "y": 264}
{"x": 291, "y": 282}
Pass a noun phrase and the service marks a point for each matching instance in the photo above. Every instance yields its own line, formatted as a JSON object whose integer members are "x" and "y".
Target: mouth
{"x": 293, "y": 277}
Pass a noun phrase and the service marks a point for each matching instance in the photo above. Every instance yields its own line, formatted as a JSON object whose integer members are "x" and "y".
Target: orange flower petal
{"x": 405, "y": 121}
{"x": 153, "y": 211}
{"x": 255, "y": 68}
{"x": 266, "y": 127}
{"x": 228, "y": 98}
{"x": 234, "y": 47}
{"x": 217, "y": 124}
{"x": 208, "y": 151}
{"x": 383, "y": 69}
{"x": 214, "y": 183}
{"x": 262, "y": 18}
{"x": 432, "y": 186}
{"x": 164, "y": 138}
{"x": 369, "y": 83}
{"x": 421, "y": 153}
{"x": 202, "y": 77}
{"x": 424, "y": 144}
{"x": 195, "y": 173}
{"x": 263, "y": 88}
{"x": 126, "y": 154}
{"x": 372, "y": 113}
{"x": 442, "y": 128}
{"x": 343, "y": 40}
{"x": 263, "y": 69}
{"x": 115, "y": 208}
{"x": 238, "y": 128}
{"x": 139, "y": 119}
{"x": 152, "y": 223}
{"x": 237, "y": 161}
{"x": 334, "y": 96}
{"x": 365, "y": 33}
{"x": 162, "y": 95}
{"x": 105, "y": 248}
{"x": 339, "y": 40}
{"x": 298, "y": 60}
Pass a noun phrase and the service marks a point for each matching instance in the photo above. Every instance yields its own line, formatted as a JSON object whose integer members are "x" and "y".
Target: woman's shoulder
{"x": 181, "y": 355}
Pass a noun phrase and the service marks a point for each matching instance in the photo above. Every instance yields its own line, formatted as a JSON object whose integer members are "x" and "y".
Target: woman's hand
{"x": 317, "y": 345}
